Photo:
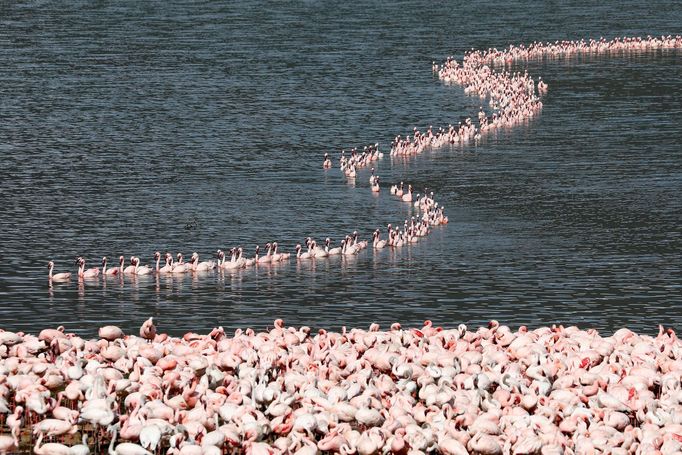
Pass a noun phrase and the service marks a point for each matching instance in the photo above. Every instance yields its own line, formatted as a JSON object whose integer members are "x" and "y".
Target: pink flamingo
{"x": 82, "y": 273}
{"x": 168, "y": 268}
{"x": 109, "y": 272}
{"x": 130, "y": 270}
{"x": 140, "y": 270}
{"x": 302, "y": 255}
{"x": 378, "y": 244}
{"x": 63, "y": 276}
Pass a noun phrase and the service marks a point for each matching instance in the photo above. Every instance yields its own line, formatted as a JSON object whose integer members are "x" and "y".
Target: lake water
{"x": 122, "y": 124}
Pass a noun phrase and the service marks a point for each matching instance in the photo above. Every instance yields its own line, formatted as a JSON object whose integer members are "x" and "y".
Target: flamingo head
{"x": 121, "y": 260}
{"x": 298, "y": 247}
{"x": 328, "y": 241}
{"x": 104, "y": 260}
{"x": 257, "y": 248}
{"x": 50, "y": 264}
{"x": 157, "y": 255}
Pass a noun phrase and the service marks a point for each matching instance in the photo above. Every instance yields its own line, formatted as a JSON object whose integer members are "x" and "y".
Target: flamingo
{"x": 130, "y": 270}
{"x": 283, "y": 256}
{"x": 126, "y": 448}
{"x": 264, "y": 259}
{"x": 349, "y": 249}
{"x": 168, "y": 268}
{"x": 248, "y": 262}
{"x": 378, "y": 244}
{"x": 232, "y": 263}
{"x": 276, "y": 257}
{"x": 399, "y": 190}
{"x": 407, "y": 197}
{"x": 372, "y": 178}
{"x": 141, "y": 270}
{"x": 333, "y": 251}
{"x": 148, "y": 329}
{"x": 201, "y": 266}
{"x": 63, "y": 276}
{"x": 82, "y": 273}
{"x": 180, "y": 267}
{"x": 375, "y": 185}
{"x": 362, "y": 244}
{"x": 109, "y": 272}
{"x": 316, "y": 251}
{"x": 51, "y": 448}
{"x": 303, "y": 255}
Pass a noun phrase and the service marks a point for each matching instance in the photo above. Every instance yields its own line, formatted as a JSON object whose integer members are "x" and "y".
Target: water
{"x": 123, "y": 124}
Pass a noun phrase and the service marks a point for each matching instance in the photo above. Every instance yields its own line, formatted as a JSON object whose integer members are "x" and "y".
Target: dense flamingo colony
{"x": 287, "y": 390}
{"x": 492, "y": 391}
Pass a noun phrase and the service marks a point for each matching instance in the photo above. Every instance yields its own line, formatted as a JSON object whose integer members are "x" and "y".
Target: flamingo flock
{"x": 553, "y": 390}
{"x": 431, "y": 215}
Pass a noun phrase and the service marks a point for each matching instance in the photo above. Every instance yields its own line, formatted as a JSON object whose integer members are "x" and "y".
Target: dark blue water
{"x": 123, "y": 125}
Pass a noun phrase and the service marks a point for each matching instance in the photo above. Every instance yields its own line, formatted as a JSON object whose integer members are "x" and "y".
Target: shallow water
{"x": 122, "y": 125}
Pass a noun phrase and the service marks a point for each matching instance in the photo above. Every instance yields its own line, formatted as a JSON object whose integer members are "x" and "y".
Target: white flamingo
{"x": 63, "y": 276}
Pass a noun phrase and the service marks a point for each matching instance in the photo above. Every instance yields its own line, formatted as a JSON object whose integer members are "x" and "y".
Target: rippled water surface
{"x": 123, "y": 124}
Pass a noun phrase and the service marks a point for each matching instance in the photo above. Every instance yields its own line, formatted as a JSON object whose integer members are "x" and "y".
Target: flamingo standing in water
{"x": 302, "y": 255}
{"x": 130, "y": 270}
{"x": 375, "y": 185}
{"x": 232, "y": 263}
{"x": 248, "y": 262}
{"x": 372, "y": 178}
{"x": 109, "y": 272}
{"x": 276, "y": 257}
{"x": 333, "y": 251}
{"x": 283, "y": 256}
{"x": 63, "y": 276}
{"x": 140, "y": 270}
{"x": 201, "y": 266}
{"x": 180, "y": 267}
{"x": 378, "y": 243}
{"x": 407, "y": 197}
{"x": 82, "y": 273}
{"x": 264, "y": 259}
{"x": 348, "y": 248}
{"x": 327, "y": 163}
{"x": 166, "y": 268}
{"x": 317, "y": 251}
